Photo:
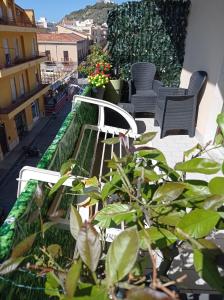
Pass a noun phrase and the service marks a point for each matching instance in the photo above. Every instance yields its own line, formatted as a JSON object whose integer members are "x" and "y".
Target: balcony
{"x": 22, "y": 24}
{"x": 14, "y": 63}
{"x": 21, "y": 102}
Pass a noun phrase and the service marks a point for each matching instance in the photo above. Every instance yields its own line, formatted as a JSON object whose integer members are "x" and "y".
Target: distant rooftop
{"x": 59, "y": 37}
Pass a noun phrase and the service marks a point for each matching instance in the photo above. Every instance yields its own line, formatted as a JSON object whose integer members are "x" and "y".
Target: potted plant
{"x": 99, "y": 79}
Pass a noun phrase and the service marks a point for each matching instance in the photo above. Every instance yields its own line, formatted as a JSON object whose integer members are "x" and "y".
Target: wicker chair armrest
{"x": 131, "y": 88}
{"x": 157, "y": 85}
{"x": 170, "y": 91}
{"x": 179, "y": 98}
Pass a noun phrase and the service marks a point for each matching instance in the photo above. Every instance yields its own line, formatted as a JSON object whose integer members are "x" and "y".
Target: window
{"x": 21, "y": 85}
{"x": 7, "y": 53}
{"x": 1, "y": 12}
{"x": 48, "y": 54}
{"x": 35, "y": 110}
{"x": 13, "y": 89}
{"x": 10, "y": 15}
{"x": 16, "y": 48}
{"x": 66, "y": 57}
{"x": 34, "y": 47}
{"x": 37, "y": 78}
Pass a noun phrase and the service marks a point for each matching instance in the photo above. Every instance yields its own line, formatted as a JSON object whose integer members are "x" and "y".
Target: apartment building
{"x": 22, "y": 93}
{"x": 63, "y": 47}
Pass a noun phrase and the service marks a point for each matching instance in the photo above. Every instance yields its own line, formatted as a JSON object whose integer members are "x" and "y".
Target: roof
{"x": 59, "y": 37}
{"x": 79, "y": 33}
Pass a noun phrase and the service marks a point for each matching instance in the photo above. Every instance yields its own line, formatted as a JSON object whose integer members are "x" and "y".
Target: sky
{"x": 54, "y": 10}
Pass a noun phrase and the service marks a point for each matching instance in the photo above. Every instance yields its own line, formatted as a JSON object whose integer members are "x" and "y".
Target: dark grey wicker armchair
{"x": 176, "y": 108}
{"x": 143, "y": 88}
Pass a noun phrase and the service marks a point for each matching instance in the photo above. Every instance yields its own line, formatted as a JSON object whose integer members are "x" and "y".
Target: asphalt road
{"x": 8, "y": 188}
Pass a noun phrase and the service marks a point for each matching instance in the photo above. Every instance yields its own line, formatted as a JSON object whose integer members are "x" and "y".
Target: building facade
{"x": 22, "y": 93}
{"x": 63, "y": 48}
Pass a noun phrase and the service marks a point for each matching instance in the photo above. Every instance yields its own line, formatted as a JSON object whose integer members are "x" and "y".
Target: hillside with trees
{"x": 98, "y": 12}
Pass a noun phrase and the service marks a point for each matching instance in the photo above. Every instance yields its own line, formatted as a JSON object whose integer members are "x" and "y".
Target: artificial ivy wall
{"x": 149, "y": 30}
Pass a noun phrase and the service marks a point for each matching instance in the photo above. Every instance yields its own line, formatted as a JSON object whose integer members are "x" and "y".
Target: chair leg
{"x": 191, "y": 132}
{"x": 156, "y": 123}
{"x": 162, "y": 133}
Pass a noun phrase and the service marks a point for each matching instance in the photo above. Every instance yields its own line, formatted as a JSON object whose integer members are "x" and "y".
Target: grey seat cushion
{"x": 144, "y": 93}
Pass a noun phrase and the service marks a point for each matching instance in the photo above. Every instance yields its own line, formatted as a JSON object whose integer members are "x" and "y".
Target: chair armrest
{"x": 131, "y": 88}
{"x": 157, "y": 85}
{"x": 171, "y": 91}
{"x": 179, "y": 98}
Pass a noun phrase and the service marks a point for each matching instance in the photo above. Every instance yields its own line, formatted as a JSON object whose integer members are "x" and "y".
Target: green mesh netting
{"x": 23, "y": 220}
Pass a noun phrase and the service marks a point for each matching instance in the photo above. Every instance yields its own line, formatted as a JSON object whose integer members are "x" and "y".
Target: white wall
{"x": 205, "y": 51}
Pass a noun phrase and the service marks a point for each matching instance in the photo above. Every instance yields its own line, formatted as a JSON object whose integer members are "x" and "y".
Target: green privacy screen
{"x": 58, "y": 152}
{"x": 149, "y": 31}
{"x": 23, "y": 221}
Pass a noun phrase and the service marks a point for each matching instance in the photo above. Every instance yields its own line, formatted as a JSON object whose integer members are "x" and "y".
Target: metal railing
{"x": 23, "y": 98}
{"x": 13, "y": 57}
{"x": 11, "y": 21}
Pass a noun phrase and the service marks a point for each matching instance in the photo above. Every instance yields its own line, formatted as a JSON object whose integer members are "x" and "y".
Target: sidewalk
{"x": 13, "y": 156}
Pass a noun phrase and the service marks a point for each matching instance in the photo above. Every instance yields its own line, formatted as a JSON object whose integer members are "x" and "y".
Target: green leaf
{"x": 91, "y": 292}
{"x": 169, "y": 191}
{"x": 199, "y": 165}
{"x": 89, "y": 246}
{"x": 192, "y": 150}
{"x": 149, "y": 175}
{"x": 122, "y": 255}
{"x": 196, "y": 188}
{"x": 72, "y": 278}
{"x": 220, "y": 122}
{"x": 219, "y": 139}
{"x": 216, "y": 186}
{"x": 172, "y": 218}
{"x": 67, "y": 166}
{"x": 145, "y": 138}
{"x": 206, "y": 266}
{"x": 57, "y": 185}
{"x": 77, "y": 186}
{"x": 92, "y": 182}
{"x": 111, "y": 141}
{"x": 54, "y": 250}
{"x": 23, "y": 246}
{"x": 52, "y": 285}
{"x": 110, "y": 187}
{"x": 115, "y": 212}
{"x": 10, "y": 265}
{"x": 154, "y": 154}
{"x": 199, "y": 222}
{"x": 214, "y": 202}
{"x": 75, "y": 222}
{"x": 39, "y": 196}
{"x": 159, "y": 237}
{"x": 47, "y": 226}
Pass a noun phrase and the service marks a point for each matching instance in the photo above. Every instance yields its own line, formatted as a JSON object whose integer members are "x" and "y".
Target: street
{"x": 8, "y": 188}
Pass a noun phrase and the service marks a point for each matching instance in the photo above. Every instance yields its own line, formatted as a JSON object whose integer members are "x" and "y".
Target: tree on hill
{"x": 98, "y": 12}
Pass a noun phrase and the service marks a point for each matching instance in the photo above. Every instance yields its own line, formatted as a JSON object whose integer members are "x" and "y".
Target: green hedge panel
{"x": 150, "y": 30}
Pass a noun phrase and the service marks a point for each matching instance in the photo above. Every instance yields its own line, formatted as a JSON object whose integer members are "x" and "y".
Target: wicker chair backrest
{"x": 143, "y": 74}
{"x": 197, "y": 82}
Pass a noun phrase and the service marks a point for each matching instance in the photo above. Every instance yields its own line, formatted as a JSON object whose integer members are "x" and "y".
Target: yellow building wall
{"x": 27, "y": 49}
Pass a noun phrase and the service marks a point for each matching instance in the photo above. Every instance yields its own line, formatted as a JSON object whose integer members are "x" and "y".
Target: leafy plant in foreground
{"x": 145, "y": 207}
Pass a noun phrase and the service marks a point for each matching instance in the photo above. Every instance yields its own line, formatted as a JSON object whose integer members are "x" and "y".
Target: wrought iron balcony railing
{"x": 22, "y": 99}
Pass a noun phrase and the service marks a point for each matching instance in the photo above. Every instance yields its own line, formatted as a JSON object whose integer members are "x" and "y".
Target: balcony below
{"x": 16, "y": 64}
{"x": 22, "y": 102}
